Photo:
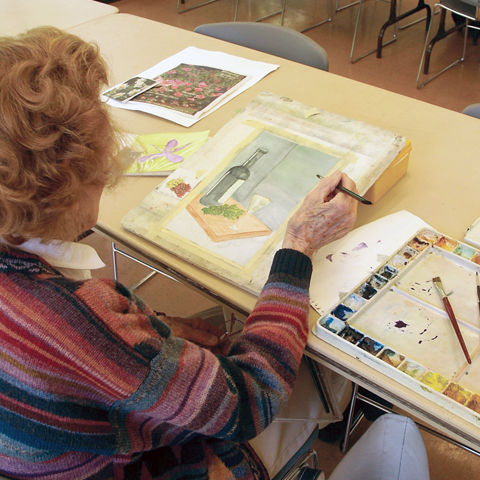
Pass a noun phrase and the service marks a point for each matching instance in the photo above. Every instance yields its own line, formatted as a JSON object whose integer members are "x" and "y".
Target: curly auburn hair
{"x": 56, "y": 137}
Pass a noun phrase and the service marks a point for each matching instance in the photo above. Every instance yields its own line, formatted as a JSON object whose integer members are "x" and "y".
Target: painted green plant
{"x": 232, "y": 212}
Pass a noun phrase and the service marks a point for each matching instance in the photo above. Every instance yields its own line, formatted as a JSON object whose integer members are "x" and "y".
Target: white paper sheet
{"x": 253, "y": 70}
{"x": 343, "y": 264}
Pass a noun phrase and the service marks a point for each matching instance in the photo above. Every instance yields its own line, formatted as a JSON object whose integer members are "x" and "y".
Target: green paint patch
{"x": 232, "y": 212}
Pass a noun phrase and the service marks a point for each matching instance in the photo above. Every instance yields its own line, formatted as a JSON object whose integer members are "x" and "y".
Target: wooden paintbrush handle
{"x": 451, "y": 316}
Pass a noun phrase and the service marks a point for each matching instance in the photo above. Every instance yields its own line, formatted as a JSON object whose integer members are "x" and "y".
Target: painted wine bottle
{"x": 231, "y": 180}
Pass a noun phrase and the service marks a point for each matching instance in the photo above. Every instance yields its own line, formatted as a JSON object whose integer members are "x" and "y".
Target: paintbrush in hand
{"x": 448, "y": 307}
{"x": 356, "y": 196}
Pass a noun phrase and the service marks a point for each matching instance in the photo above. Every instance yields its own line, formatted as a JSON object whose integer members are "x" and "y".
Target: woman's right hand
{"x": 325, "y": 215}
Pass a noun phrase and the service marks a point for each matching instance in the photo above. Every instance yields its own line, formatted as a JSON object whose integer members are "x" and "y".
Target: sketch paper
{"x": 159, "y": 153}
{"x": 193, "y": 83}
{"x": 239, "y": 190}
{"x": 342, "y": 264}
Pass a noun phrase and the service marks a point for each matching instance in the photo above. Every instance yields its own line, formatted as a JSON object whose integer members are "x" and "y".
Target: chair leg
{"x": 354, "y": 59}
{"x": 394, "y": 19}
{"x": 343, "y": 7}
{"x": 114, "y": 261}
{"x": 235, "y": 13}
{"x": 427, "y": 49}
{"x": 193, "y": 7}
{"x": 348, "y": 426}
{"x": 301, "y": 470}
{"x": 328, "y": 19}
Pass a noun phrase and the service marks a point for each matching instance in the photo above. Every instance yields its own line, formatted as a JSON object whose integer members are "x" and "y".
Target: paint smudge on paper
{"x": 360, "y": 246}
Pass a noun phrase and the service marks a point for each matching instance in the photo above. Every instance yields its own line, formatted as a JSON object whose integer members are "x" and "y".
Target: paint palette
{"x": 394, "y": 320}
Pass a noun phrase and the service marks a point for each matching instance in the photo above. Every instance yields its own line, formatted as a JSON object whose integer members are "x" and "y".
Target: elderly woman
{"x": 93, "y": 384}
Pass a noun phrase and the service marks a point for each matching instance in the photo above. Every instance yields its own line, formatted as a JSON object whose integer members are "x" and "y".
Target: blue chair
{"x": 274, "y": 39}
{"x": 472, "y": 110}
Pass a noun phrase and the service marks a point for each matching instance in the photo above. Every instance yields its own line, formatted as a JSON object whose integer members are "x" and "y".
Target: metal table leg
{"x": 394, "y": 18}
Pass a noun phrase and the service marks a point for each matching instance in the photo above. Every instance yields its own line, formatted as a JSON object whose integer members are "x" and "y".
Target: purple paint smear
{"x": 400, "y": 324}
{"x": 329, "y": 257}
{"x": 360, "y": 246}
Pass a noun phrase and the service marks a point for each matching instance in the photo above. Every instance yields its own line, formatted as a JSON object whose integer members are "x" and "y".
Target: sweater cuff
{"x": 292, "y": 262}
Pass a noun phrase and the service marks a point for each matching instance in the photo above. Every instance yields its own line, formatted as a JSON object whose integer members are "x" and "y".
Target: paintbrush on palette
{"x": 356, "y": 196}
{"x": 448, "y": 307}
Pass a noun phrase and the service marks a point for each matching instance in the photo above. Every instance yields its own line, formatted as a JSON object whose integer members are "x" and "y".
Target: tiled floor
{"x": 396, "y": 71}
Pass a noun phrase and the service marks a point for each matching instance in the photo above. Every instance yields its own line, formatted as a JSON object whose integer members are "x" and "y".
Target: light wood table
{"x": 440, "y": 187}
{"x": 16, "y": 16}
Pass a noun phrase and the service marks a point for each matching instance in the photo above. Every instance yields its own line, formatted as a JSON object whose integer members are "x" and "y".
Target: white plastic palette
{"x": 395, "y": 321}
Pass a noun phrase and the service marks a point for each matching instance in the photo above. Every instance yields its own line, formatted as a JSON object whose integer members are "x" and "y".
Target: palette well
{"x": 395, "y": 321}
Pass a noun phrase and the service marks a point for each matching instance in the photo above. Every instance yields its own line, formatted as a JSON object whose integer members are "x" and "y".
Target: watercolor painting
{"x": 160, "y": 153}
{"x": 190, "y": 88}
{"x": 227, "y": 209}
{"x": 398, "y": 318}
{"x": 259, "y": 188}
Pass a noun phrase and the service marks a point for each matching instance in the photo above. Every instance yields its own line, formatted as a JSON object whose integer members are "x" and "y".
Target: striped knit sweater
{"x": 94, "y": 386}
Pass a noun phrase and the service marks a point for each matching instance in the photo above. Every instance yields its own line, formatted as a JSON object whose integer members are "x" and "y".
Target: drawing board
{"x": 227, "y": 207}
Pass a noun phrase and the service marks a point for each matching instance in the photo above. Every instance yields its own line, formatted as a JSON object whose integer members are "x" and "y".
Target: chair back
{"x": 274, "y": 39}
{"x": 466, "y": 8}
{"x": 472, "y": 110}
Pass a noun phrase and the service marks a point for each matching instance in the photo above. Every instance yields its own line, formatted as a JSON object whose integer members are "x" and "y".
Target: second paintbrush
{"x": 349, "y": 192}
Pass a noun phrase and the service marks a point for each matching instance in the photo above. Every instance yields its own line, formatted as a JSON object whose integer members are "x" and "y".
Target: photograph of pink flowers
{"x": 190, "y": 84}
{"x": 189, "y": 88}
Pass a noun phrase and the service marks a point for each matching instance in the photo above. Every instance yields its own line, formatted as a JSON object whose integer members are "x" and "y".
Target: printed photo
{"x": 129, "y": 89}
{"x": 190, "y": 88}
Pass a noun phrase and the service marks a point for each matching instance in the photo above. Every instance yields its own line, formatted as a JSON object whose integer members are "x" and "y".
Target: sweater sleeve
{"x": 164, "y": 390}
